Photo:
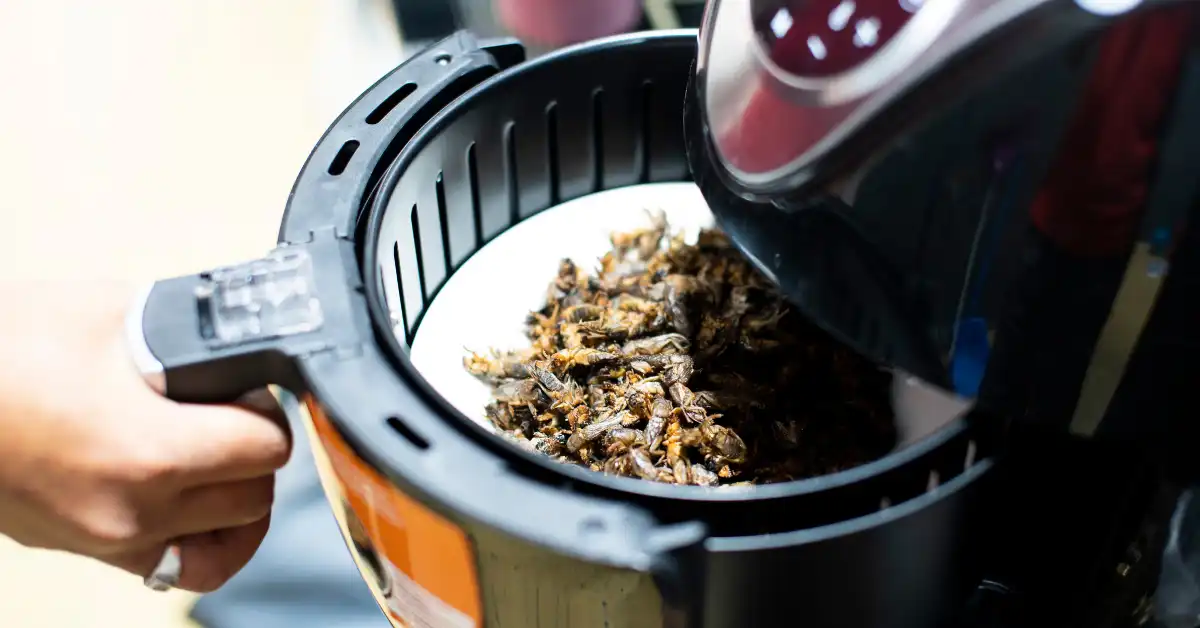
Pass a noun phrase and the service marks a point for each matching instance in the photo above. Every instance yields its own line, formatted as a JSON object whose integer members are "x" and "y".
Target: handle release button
{"x": 266, "y": 298}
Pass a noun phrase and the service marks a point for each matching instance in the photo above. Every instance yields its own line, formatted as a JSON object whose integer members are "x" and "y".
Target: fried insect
{"x": 680, "y": 363}
{"x": 594, "y": 430}
{"x": 497, "y": 367}
{"x": 567, "y": 359}
{"x": 654, "y": 345}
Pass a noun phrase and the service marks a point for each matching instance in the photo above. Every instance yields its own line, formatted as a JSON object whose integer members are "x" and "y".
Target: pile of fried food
{"x": 680, "y": 363}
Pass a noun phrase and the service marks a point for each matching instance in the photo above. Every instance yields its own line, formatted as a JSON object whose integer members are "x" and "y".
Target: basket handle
{"x": 678, "y": 569}
{"x": 215, "y": 336}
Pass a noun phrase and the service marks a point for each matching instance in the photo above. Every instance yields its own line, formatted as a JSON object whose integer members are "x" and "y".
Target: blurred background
{"x": 149, "y": 138}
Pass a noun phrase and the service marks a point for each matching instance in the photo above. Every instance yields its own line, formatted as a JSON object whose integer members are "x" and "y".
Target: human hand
{"x": 92, "y": 461}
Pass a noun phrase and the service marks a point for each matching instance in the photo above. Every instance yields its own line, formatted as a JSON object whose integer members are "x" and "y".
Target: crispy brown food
{"x": 680, "y": 363}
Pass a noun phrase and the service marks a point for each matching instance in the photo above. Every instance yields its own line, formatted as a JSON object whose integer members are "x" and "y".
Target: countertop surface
{"x": 143, "y": 139}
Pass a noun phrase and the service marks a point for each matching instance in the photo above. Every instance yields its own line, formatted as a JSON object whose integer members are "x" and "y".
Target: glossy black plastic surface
{"x": 1017, "y": 238}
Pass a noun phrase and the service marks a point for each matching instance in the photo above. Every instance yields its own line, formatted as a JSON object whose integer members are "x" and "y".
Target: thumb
{"x": 208, "y": 560}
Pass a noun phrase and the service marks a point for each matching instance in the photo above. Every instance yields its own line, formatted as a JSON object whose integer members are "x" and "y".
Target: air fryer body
{"x": 1011, "y": 188}
{"x": 1003, "y": 517}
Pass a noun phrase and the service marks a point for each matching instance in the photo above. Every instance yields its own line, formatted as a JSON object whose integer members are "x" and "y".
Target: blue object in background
{"x": 971, "y": 351}
{"x": 972, "y": 344}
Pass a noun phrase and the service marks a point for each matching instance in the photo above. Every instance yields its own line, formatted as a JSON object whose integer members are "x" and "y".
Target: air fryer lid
{"x": 796, "y": 93}
{"x": 985, "y": 254}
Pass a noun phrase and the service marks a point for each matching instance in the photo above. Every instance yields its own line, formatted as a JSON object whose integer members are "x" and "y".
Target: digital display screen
{"x": 822, "y": 38}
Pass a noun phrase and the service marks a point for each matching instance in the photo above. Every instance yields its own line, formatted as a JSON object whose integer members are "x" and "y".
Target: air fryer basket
{"x": 434, "y": 161}
{"x": 544, "y": 133}
{"x": 586, "y": 120}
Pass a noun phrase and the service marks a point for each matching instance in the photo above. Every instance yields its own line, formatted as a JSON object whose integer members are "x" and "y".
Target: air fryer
{"x": 991, "y": 515}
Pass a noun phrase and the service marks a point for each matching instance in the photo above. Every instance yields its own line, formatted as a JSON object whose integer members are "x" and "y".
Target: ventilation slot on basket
{"x": 598, "y": 139}
{"x": 552, "y": 152}
{"x": 408, "y": 433}
{"x": 419, "y": 254}
{"x": 389, "y": 103}
{"x": 408, "y": 326}
{"x": 342, "y": 158}
{"x": 439, "y": 185}
{"x": 473, "y": 183}
{"x": 510, "y": 173}
{"x": 422, "y": 112}
{"x": 647, "y": 113}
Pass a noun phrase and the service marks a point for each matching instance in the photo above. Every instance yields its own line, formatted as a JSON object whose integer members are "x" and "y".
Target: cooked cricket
{"x": 680, "y": 363}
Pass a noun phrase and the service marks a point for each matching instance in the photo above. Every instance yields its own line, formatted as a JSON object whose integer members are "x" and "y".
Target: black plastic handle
{"x": 679, "y": 574}
{"x": 215, "y": 336}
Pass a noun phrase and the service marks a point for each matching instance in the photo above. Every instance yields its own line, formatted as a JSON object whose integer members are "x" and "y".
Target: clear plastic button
{"x": 267, "y": 298}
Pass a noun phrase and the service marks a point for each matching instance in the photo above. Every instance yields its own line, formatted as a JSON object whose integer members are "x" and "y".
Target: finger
{"x": 214, "y": 557}
{"x": 220, "y": 506}
{"x": 264, "y": 403}
{"x": 211, "y": 443}
{"x": 227, "y": 443}
{"x": 208, "y": 559}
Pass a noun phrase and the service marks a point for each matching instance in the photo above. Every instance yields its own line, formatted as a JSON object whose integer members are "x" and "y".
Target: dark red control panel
{"x": 822, "y": 38}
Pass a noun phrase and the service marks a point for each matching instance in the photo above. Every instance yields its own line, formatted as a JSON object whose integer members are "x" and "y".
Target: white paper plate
{"x": 485, "y": 303}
